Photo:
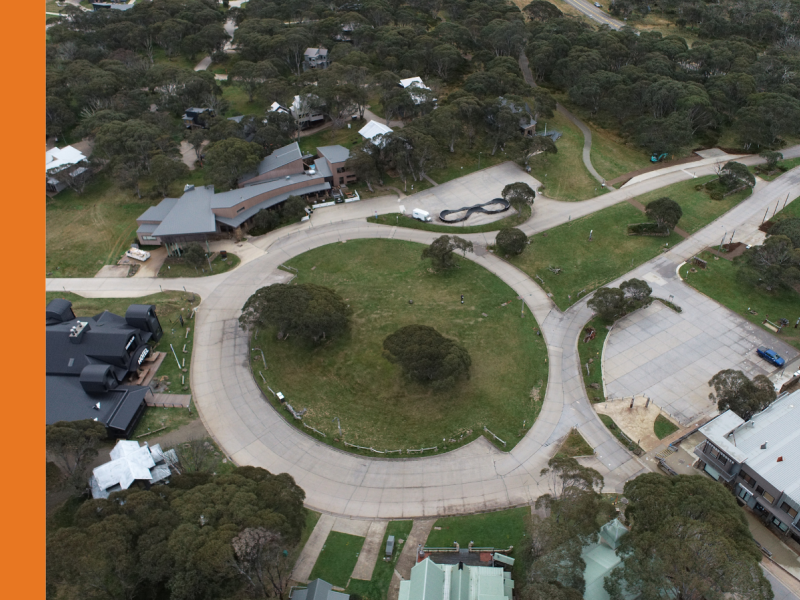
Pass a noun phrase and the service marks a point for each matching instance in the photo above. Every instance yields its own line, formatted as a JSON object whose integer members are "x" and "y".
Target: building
{"x": 415, "y": 83}
{"x": 197, "y": 117}
{"x": 132, "y": 464}
{"x": 431, "y": 581}
{"x": 308, "y": 111}
{"x": 63, "y": 159}
{"x": 527, "y": 124}
{"x": 90, "y": 360}
{"x": 200, "y": 215}
{"x": 759, "y": 460}
{"x": 111, "y": 6}
{"x": 372, "y": 130}
{"x": 317, "y": 590}
{"x": 315, "y": 58}
{"x": 336, "y": 157}
{"x": 601, "y": 558}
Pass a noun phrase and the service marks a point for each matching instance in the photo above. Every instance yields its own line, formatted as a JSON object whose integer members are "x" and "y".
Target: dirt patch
{"x": 637, "y": 422}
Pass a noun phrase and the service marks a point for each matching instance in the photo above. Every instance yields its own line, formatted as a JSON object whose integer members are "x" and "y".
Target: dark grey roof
{"x": 246, "y": 214}
{"x": 322, "y": 168}
{"x": 191, "y": 214}
{"x": 160, "y": 211}
{"x": 318, "y": 590}
{"x": 68, "y": 401}
{"x": 279, "y": 158}
{"x": 112, "y": 6}
{"x": 335, "y": 154}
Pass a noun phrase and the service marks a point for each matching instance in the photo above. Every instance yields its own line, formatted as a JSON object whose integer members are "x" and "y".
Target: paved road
{"x": 596, "y": 14}
{"x": 476, "y": 477}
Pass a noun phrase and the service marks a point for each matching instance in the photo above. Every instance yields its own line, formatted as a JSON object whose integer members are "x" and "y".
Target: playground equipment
{"x": 477, "y": 208}
{"x": 658, "y": 156}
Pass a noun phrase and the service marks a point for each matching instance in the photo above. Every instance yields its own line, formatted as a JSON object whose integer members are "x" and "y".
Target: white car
{"x": 598, "y": 5}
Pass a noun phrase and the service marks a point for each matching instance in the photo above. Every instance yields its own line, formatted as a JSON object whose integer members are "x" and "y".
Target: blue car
{"x": 771, "y": 356}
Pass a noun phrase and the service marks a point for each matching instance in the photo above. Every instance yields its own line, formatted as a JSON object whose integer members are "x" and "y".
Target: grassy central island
{"x": 378, "y": 407}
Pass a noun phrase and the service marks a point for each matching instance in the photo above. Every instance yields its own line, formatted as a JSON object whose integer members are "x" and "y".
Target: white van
{"x": 421, "y": 215}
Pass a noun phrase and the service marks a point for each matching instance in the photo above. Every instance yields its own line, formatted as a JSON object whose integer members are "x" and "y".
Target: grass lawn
{"x": 467, "y": 160}
{"x": 575, "y": 445}
{"x": 168, "y": 306}
{"x": 405, "y": 221}
{"x": 349, "y": 378}
{"x": 52, "y": 7}
{"x": 239, "y": 102}
{"x": 331, "y": 137}
{"x": 311, "y": 521}
{"x": 563, "y": 174}
{"x": 787, "y": 164}
{"x": 698, "y": 207}
{"x": 177, "y": 267}
{"x": 377, "y": 588}
{"x": 591, "y": 350}
{"x": 614, "y": 429}
{"x": 612, "y": 157}
{"x": 664, "y": 427}
{"x": 160, "y": 56}
{"x": 719, "y": 282}
{"x": 337, "y": 559}
{"x": 499, "y": 529}
{"x": 588, "y": 265}
{"x": 87, "y": 231}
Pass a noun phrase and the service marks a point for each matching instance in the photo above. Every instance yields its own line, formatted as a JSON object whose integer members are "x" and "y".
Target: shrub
{"x": 511, "y": 240}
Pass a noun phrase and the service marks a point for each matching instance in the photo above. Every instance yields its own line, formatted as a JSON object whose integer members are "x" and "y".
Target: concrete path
{"x": 408, "y": 555}
{"x": 476, "y": 477}
{"x": 595, "y": 14}
{"x": 203, "y": 64}
{"x": 370, "y": 551}
{"x": 371, "y": 116}
{"x": 308, "y": 556}
{"x": 784, "y": 586}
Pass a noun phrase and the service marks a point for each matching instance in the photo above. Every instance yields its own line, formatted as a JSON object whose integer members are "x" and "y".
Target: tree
{"x": 364, "y": 165}
{"x": 132, "y": 142}
{"x": 688, "y": 540}
{"x": 462, "y": 244}
{"x": 519, "y": 193}
{"x": 58, "y": 116}
{"x": 259, "y": 557}
{"x": 567, "y": 479}
{"x": 227, "y": 160}
{"x": 265, "y": 220}
{"x": 776, "y": 263}
{"x": 306, "y": 310}
{"x": 426, "y": 356}
{"x": 72, "y": 445}
{"x": 194, "y": 254}
{"x": 789, "y": 228}
{"x": 539, "y": 10}
{"x": 441, "y": 253}
{"x": 165, "y": 170}
{"x": 608, "y": 303}
{"x": 734, "y": 391}
{"x": 293, "y": 209}
{"x": 511, "y": 240}
{"x": 664, "y": 211}
{"x": 772, "y": 158}
{"x": 735, "y": 175}
{"x": 636, "y": 291}
{"x": 196, "y": 140}
{"x": 196, "y": 455}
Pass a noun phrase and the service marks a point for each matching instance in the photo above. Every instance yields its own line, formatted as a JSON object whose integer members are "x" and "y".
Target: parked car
{"x": 598, "y": 5}
{"x": 421, "y": 215}
{"x": 770, "y": 356}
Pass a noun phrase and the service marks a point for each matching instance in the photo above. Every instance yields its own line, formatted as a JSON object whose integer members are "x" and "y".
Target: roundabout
{"x": 354, "y": 395}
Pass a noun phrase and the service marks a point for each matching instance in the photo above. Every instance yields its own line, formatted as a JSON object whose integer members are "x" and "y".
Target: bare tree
{"x": 196, "y": 456}
{"x": 260, "y": 557}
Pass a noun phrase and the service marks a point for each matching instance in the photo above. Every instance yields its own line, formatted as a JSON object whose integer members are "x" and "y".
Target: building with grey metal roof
{"x": 432, "y": 581}
{"x": 318, "y": 589}
{"x": 200, "y": 214}
{"x": 759, "y": 459}
{"x": 132, "y": 464}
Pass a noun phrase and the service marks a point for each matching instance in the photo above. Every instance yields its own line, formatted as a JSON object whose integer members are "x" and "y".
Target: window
{"x": 759, "y": 489}
{"x": 748, "y": 479}
{"x": 743, "y": 493}
{"x": 240, "y": 210}
{"x": 779, "y": 524}
{"x": 341, "y": 180}
{"x": 789, "y": 510}
{"x": 768, "y": 497}
{"x": 149, "y": 237}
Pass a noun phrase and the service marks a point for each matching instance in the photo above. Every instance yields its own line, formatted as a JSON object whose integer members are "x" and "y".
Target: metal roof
{"x": 280, "y": 157}
{"x": 431, "y": 581}
{"x": 131, "y": 462}
{"x": 158, "y": 212}
{"x": 718, "y": 430}
{"x": 322, "y": 168}
{"x": 335, "y": 154}
{"x": 246, "y": 214}
{"x": 373, "y": 128}
{"x": 413, "y": 82}
{"x": 191, "y": 214}
{"x": 58, "y": 158}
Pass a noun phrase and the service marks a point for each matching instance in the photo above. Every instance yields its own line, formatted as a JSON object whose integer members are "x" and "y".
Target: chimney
{"x": 764, "y": 446}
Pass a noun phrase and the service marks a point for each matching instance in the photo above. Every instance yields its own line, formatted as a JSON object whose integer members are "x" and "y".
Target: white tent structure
{"x": 372, "y": 130}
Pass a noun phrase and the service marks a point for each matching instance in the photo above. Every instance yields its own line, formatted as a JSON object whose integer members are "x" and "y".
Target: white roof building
{"x": 373, "y": 129}
{"x": 61, "y": 158}
{"x": 431, "y": 581}
{"x": 415, "y": 82}
{"x": 129, "y": 463}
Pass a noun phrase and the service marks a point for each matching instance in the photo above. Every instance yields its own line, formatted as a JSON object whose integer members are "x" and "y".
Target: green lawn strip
{"x": 592, "y": 350}
{"x": 377, "y": 588}
{"x": 337, "y": 559}
{"x": 787, "y": 164}
{"x": 177, "y": 267}
{"x": 664, "y": 427}
{"x": 168, "y": 306}
{"x": 612, "y": 157}
{"x": 588, "y": 265}
{"x": 467, "y": 160}
{"x": 239, "y": 102}
{"x": 499, "y": 529}
{"x": 350, "y": 379}
{"x": 399, "y": 220}
{"x": 791, "y": 210}
{"x": 575, "y": 445}
{"x": 332, "y": 137}
{"x": 52, "y": 7}
{"x": 718, "y": 281}
{"x": 698, "y": 207}
{"x": 625, "y": 440}
{"x": 563, "y": 174}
